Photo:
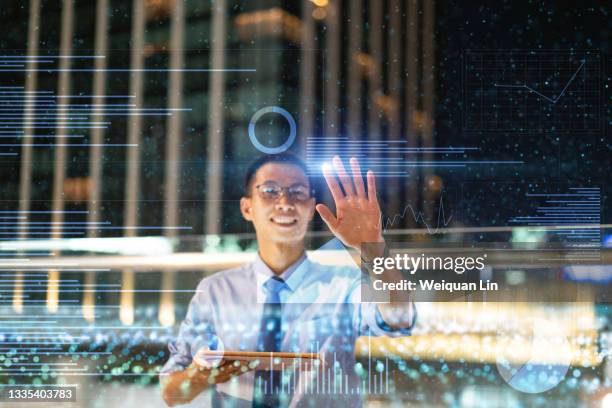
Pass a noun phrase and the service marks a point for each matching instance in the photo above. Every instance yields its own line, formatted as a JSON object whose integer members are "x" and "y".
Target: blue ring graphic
{"x": 277, "y": 149}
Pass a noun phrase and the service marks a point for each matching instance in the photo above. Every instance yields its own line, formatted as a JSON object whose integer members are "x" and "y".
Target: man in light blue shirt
{"x": 284, "y": 302}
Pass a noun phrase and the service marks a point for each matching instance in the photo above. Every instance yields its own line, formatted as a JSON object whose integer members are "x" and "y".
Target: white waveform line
{"x": 390, "y": 221}
{"x": 551, "y": 100}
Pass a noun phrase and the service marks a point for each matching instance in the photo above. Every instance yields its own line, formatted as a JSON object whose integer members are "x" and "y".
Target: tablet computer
{"x": 274, "y": 360}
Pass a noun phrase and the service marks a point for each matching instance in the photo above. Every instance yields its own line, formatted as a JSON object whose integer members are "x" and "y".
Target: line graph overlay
{"x": 419, "y": 217}
{"x": 551, "y": 100}
{"x": 531, "y": 91}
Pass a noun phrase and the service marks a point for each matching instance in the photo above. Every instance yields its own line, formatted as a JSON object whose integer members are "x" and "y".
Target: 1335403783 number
{"x": 40, "y": 393}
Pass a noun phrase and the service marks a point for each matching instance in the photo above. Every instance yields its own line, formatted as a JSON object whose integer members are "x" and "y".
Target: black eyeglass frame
{"x": 284, "y": 191}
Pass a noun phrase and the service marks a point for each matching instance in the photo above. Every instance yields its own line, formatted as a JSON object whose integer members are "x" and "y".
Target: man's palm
{"x": 357, "y": 218}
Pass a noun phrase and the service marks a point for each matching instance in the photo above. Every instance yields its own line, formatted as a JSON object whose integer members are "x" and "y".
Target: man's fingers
{"x": 327, "y": 216}
{"x": 371, "y": 187}
{"x": 223, "y": 367}
{"x": 357, "y": 178}
{"x": 235, "y": 368}
{"x": 230, "y": 370}
{"x": 347, "y": 184}
{"x": 333, "y": 185}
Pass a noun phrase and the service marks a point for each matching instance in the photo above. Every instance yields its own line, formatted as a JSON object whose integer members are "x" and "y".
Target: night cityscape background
{"x": 124, "y": 137}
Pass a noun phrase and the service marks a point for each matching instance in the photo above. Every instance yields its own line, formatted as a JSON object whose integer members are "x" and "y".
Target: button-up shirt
{"x": 321, "y": 312}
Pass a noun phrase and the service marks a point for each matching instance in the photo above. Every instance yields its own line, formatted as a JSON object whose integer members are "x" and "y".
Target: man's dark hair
{"x": 283, "y": 158}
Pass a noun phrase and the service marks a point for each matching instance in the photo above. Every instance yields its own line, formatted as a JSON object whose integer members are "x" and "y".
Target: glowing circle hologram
{"x": 538, "y": 368}
{"x": 292, "y": 130}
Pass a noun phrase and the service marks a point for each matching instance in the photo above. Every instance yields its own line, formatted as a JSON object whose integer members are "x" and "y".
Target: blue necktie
{"x": 270, "y": 337}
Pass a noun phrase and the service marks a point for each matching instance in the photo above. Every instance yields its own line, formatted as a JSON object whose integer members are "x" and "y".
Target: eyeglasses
{"x": 270, "y": 191}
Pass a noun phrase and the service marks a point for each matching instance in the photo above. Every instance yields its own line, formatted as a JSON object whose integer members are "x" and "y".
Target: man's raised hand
{"x": 357, "y": 218}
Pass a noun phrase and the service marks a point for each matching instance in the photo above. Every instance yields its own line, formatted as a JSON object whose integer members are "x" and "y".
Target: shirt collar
{"x": 292, "y": 276}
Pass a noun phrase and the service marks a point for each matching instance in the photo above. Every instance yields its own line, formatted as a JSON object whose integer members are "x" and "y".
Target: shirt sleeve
{"x": 196, "y": 331}
{"x": 368, "y": 320}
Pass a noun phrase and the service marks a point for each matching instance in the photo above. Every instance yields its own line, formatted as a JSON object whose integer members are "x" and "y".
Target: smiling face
{"x": 283, "y": 219}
